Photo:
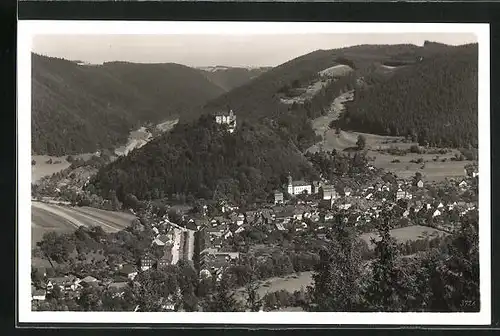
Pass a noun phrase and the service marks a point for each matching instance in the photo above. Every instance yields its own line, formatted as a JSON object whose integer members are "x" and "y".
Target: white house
{"x": 298, "y": 187}
{"x": 240, "y": 220}
{"x": 278, "y": 197}
{"x": 329, "y": 192}
{"x": 463, "y": 184}
{"x": 347, "y": 191}
{"x": 400, "y": 194}
{"x": 38, "y": 294}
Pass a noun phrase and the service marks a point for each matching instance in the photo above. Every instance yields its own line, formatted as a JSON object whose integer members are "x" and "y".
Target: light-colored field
{"x": 50, "y": 217}
{"x": 136, "y": 139}
{"x": 336, "y": 71}
{"x": 290, "y": 283}
{"x": 42, "y": 169}
{"x": 307, "y": 92}
{"x": 405, "y": 234}
{"x": 167, "y": 125}
{"x": 141, "y": 136}
{"x": 431, "y": 170}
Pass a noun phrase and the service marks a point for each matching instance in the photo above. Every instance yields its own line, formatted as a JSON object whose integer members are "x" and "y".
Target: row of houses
{"x": 71, "y": 285}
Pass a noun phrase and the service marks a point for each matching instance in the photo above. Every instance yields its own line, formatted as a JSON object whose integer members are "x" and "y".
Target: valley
{"x": 233, "y": 176}
{"x": 434, "y": 167}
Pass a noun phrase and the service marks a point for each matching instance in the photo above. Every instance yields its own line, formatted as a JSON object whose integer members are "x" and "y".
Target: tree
{"x": 223, "y": 299}
{"x": 336, "y": 286}
{"x": 382, "y": 290}
{"x": 254, "y": 302}
{"x": 90, "y": 299}
{"x": 56, "y": 247}
{"x": 174, "y": 216}
{"x": 361, "y": 142}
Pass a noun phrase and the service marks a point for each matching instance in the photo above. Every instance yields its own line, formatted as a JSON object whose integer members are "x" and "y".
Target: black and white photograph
{"x": 327, "y": 173}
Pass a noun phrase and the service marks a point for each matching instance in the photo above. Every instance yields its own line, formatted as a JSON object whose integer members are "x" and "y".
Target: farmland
{"x": 404, "y": 234}
{"x": 142, "y": 136}
{"x": 50, "y": 217}
{"x": 432, "y": 167}
{"x": 290, "y": 283}
{"x": 42, "y": 168}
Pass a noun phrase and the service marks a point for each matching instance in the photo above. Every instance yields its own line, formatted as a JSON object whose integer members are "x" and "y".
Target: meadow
{"x": 404, "y": 234}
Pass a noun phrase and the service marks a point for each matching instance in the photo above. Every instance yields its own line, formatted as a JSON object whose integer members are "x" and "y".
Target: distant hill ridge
{"x": 78, "y": 109}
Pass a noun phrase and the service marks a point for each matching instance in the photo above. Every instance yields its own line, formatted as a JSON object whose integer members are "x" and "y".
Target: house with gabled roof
{"x": 67, "y": 282}
{"x": 463, "y": 184}
{"x": 89, "y": 281}
{"x": 129, "y": 271}
{"x": 165, "y": 260}
{"x": 161, "y": 240}
{"x": 147, "y": 262}
{"x": 278, "y": 197}
{"x": 329, "y": 192}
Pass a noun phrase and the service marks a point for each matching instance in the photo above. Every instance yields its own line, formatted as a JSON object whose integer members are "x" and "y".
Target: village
{"x": 211, "y": 240}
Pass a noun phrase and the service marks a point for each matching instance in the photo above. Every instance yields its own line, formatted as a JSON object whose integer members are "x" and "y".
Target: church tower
{"x": 290, "y": 184}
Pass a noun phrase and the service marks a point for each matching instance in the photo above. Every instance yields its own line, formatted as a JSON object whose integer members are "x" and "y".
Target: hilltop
{"x": 78, "y": 107}
{"x": 200, "y": 159}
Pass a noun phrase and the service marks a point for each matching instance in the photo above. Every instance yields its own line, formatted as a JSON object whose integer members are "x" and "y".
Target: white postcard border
{"x": 27, "y": 29}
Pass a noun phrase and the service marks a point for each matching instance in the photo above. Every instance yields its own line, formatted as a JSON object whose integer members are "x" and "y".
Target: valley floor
{"x": 432, "y": 170}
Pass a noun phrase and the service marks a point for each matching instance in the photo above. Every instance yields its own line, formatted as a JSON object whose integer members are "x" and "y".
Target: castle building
{"x": 228, "y": 119}
{"x": 298, "y": 187}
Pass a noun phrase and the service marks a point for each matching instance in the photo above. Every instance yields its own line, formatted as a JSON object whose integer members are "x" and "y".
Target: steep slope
{"x": 434, "y": 100}
{"x": 229, "y": 78}
{"x": 373, "y": 65}
{"x": 82, "y": 108}
{"x": 202, "y": 160}
{"x": 259, "y": 97}
{"x": 264, "y": 96}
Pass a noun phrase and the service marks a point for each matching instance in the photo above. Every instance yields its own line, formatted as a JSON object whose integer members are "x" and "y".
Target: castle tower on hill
{"x": 227, "y": 118}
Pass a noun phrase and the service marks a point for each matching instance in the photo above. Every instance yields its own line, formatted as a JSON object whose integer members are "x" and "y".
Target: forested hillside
{"x": 200, "y": 159}
{"x": 260, "y": 98}
{"x": 435, "y": 100}
{"x": 82, "y": 108}
{"x": 229, "y": 78}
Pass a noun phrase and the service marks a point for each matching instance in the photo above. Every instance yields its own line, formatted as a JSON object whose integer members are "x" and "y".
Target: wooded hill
{"x": 260, "y": 98}
{"x": 202, "y": 160}
{"x": 435, "y": 100}
{"x": 83, "y": 108}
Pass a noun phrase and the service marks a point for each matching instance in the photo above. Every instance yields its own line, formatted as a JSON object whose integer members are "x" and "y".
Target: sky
{"x": 211, "y": 50}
